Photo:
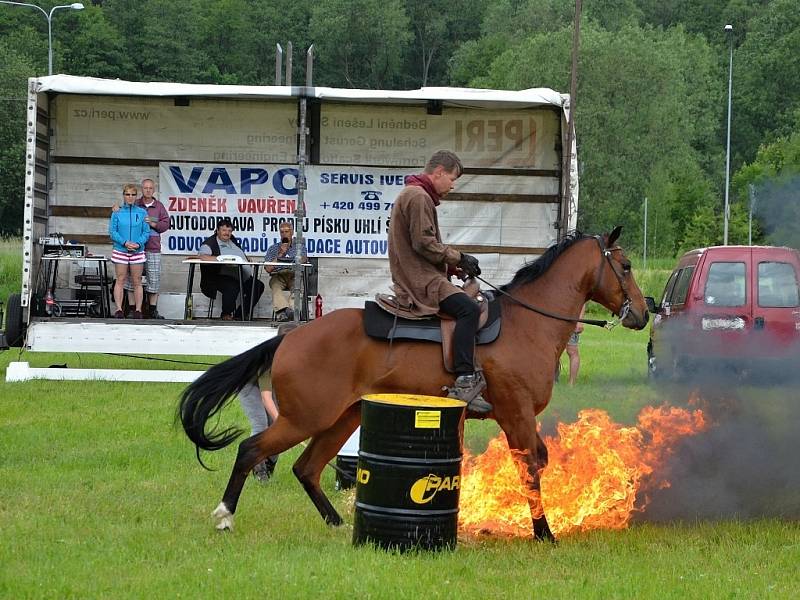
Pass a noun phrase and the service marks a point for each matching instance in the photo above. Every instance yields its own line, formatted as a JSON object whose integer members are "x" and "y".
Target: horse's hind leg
{"x": 320, "y": 450}
{"x": 279, "y": 437}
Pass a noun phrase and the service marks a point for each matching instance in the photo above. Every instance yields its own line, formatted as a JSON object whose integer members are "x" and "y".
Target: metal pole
{"x": 50, "y": 41}
{"x": 278, "y": 63}
{"x": 289, "y": 64}
{"x": 726, "y": 216}
{"x": 751, "y": 189}
{"x": 644, "y": 252}
{"x": 566, "y": 204}
{"x": 298, "y": 291}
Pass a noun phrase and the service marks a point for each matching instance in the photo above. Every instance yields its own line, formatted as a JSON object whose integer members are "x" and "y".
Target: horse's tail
{"x": 210, "y": 392}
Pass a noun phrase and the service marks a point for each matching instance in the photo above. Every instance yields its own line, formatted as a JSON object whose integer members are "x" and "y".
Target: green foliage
{"x": 704, "y": 229}
{"x": 651, "y": 104}
{"x": 92, "y": 46}
{"x": 766, "y": 79}
{"x": 628, "y": 153}
{"x": 773, "y": 179}
{"x": 439, "y": 26}
{"x": 361, "y": 43}
{"x": 14, "y": 70}
{"x": 10, "y": 268}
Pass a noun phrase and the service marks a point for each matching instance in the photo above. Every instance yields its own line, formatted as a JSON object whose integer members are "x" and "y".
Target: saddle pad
{"x": 379, "y": 324}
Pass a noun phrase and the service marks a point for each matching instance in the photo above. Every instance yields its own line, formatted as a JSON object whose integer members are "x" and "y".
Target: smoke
{"x": 777, "y": 209}
{"x": 744, "y": 466}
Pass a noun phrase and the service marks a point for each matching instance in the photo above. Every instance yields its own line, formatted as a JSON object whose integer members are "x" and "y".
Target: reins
{"x": 606, "y": 253}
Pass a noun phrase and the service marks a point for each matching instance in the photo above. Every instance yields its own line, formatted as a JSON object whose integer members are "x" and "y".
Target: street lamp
{"x": 729, "y": 33}
{"x": 49, "y": 17}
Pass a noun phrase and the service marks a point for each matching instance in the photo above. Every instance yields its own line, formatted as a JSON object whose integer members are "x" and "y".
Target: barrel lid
{"x": 414, "y": 400}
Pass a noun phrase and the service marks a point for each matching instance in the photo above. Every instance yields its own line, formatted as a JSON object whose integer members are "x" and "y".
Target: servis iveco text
{"x": 347, "y": 208}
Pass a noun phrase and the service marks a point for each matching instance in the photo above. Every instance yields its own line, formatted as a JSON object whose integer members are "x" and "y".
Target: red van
{"x": 728, "y": 307}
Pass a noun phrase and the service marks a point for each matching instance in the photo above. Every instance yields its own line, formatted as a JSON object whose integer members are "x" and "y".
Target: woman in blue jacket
{"x": 129, "y": 233}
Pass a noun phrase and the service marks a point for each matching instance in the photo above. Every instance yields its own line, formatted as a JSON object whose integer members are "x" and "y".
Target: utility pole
{"x": 727, "y": 210}
{"x": 751, "y": 191}
{"x": 644, "y": 251}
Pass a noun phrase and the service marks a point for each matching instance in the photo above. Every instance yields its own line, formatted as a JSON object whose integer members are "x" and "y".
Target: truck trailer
{"x": 223, "y": 150}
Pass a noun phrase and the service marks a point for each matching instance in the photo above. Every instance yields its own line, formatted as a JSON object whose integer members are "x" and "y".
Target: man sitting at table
{"x": 223, "y": 277}
{"x": 281, "y": 278}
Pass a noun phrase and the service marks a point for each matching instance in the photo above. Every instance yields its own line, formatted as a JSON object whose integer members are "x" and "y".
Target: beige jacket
{"x": 417, "y": 257}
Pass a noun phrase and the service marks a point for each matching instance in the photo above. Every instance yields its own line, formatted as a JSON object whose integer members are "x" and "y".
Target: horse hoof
{"x": 545, "y": 536}
{"x": 542, "y": 533}
{"x": 224, "y": 517}
{"x": 334, "y": 520}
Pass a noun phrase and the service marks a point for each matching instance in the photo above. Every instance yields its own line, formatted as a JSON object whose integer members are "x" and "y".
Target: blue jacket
{"x": 128, "y": 225}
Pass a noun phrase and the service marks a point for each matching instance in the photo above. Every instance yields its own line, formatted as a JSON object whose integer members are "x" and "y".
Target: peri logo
{"x": 371, "y": 195}
{"x": 426, "y": 488}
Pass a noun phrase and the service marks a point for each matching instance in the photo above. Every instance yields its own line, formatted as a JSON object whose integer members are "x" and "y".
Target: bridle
{"x": 605, "y": 254}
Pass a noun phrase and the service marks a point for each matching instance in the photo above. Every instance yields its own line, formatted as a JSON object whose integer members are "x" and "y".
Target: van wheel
{"x": 15, "y": 328}
{"x": 681, "y": 370}
{"x": 654, "y": 367}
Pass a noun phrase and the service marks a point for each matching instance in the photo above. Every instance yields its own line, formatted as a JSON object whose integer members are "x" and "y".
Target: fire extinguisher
{"x": 318, "y": 307}
{"x": 49, "y": 302}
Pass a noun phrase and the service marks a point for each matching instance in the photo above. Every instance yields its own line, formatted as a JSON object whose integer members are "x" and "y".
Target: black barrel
{"x": 409, "y": 471}
{"x": 347, "y": 462}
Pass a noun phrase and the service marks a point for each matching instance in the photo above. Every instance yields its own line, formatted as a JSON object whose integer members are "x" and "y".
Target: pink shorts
{"x": 128, "y": 258}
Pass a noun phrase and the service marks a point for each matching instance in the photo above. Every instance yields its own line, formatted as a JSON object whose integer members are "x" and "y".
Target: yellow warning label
{"x": 428, "y": 419}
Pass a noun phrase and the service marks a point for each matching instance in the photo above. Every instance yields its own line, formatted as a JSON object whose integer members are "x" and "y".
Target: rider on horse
{"x": 421, "y": 264}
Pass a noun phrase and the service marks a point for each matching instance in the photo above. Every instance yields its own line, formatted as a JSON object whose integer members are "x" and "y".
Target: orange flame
{"x": 598, "y": 474}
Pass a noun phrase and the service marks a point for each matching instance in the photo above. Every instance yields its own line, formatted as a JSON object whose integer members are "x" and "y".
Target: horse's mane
{"x": 531, "y": 271}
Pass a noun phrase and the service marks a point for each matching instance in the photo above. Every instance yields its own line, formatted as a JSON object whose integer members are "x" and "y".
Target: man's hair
{"x": 148, "y": 179}
{"x": 224, "y": 222}
{"x": 130, "y": 186}
{"x": 446, "y": 159}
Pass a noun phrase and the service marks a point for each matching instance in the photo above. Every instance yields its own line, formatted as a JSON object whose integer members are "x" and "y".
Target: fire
{"x": 598, "y": 474}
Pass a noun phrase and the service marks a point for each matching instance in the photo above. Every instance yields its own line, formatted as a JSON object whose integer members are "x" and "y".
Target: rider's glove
{"x": 469, "y": 264}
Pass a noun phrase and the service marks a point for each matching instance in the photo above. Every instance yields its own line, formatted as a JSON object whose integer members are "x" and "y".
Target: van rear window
{"x": 777, "y": 285}
{"x": 726, "y": 284}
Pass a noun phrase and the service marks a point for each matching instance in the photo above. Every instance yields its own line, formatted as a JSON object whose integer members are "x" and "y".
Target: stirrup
{"x": 468, "y": 389}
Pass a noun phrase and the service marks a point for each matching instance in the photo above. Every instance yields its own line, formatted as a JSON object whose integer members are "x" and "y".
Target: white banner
{"x": 205, "y": 129}
{"x": 347, "y": 208}
{"x": 408, "y": 135}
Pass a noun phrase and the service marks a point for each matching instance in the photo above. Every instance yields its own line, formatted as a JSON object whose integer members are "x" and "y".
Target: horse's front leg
{"x": 541, "y": 528}
{"x": 522, "y": 437}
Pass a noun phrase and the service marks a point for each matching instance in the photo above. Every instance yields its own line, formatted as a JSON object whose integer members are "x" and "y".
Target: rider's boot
{"x": 468, "y": 389}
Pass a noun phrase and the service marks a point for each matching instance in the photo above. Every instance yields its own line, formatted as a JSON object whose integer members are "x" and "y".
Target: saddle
{"x": 387, "y": 319}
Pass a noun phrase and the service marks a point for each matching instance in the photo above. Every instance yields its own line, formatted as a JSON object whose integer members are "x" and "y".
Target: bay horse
{"x": 321, "y": 370}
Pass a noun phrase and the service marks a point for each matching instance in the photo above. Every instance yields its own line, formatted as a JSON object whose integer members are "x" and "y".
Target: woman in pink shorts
{"x": 129, "y": 233}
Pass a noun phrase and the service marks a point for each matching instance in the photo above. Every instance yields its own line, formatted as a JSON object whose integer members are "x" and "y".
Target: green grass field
{"x": 101, "y": 497}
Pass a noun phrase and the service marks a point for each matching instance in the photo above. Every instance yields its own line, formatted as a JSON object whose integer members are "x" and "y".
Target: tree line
{"x": 651, "y": 116}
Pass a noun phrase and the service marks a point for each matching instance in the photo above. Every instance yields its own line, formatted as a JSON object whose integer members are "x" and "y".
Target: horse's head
{"x": 614, "y": 285}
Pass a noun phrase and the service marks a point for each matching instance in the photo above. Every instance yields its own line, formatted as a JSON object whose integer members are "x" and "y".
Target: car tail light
{"x": 724, "y": 323}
